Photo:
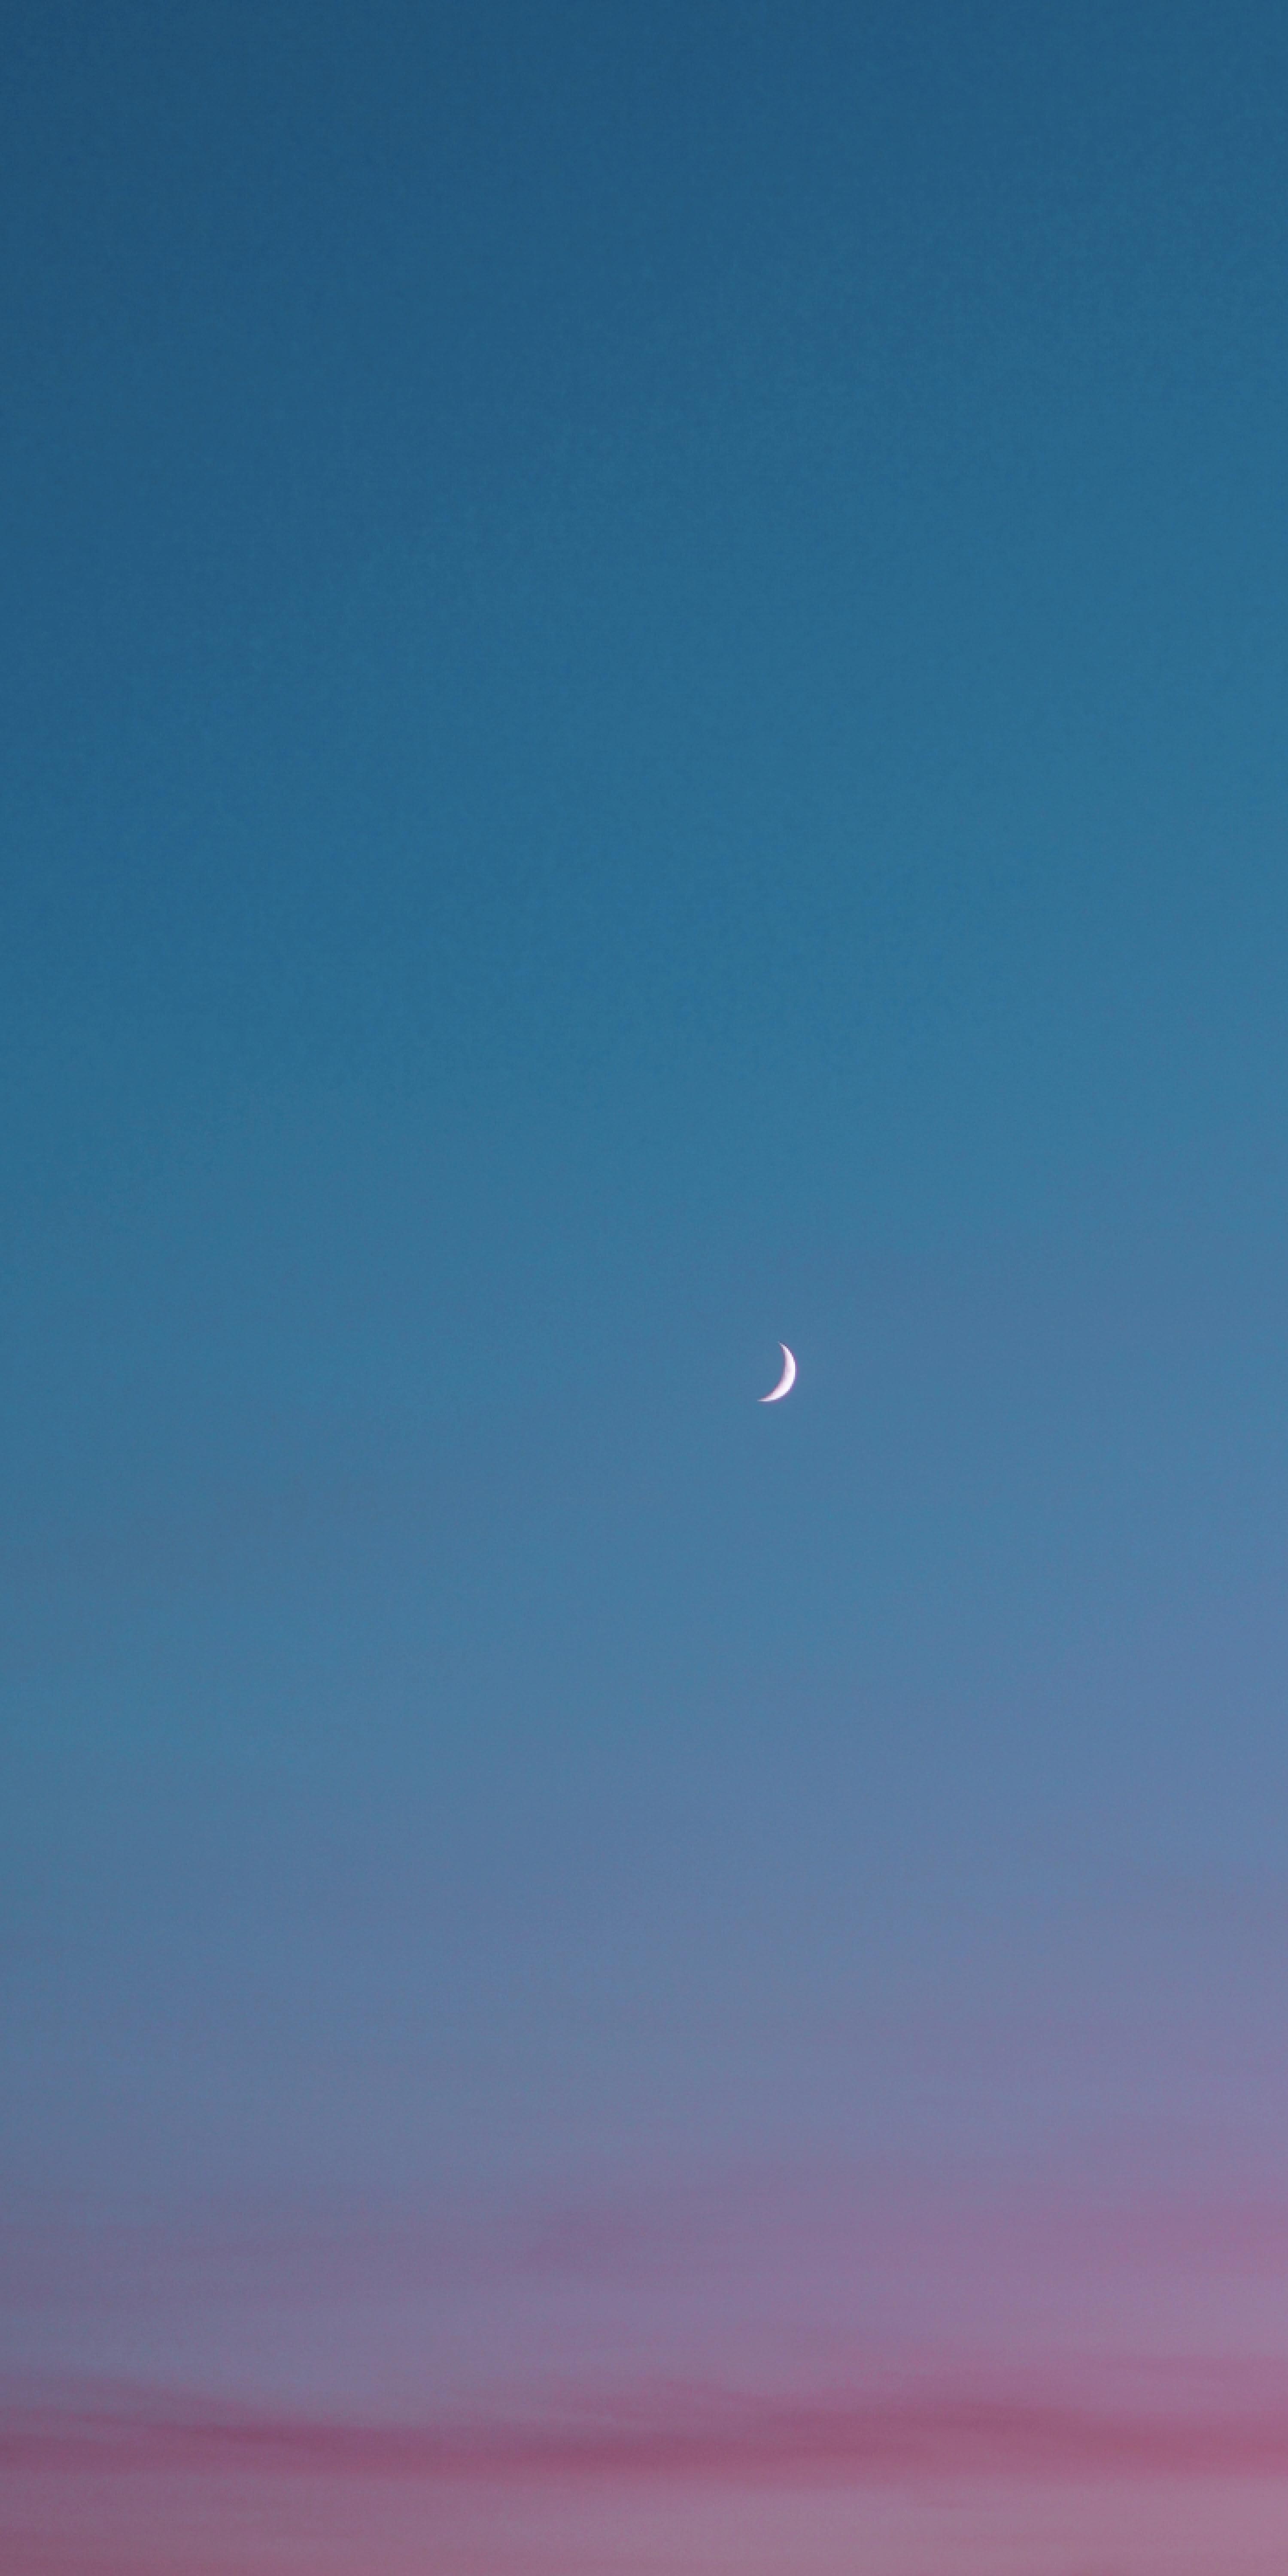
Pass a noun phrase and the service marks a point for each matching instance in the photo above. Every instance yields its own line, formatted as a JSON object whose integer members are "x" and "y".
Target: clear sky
{"x": 643, "y": 716}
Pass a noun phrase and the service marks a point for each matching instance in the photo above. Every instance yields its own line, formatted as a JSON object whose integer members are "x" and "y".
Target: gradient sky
{"x": 643, "y": 715}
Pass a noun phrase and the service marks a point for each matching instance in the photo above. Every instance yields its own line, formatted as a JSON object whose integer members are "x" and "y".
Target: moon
{"x": 786, "y": 1382}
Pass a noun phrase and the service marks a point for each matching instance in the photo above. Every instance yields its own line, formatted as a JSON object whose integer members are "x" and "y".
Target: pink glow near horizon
{"x": 762, "y": 2376}
{"x": 952, "y": 2487}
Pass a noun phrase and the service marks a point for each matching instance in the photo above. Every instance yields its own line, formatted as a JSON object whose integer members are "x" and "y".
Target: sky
{"x": 643, "y": 718}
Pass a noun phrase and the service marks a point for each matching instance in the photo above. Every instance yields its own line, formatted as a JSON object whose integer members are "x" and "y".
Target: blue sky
{"x": 644, "y": 716}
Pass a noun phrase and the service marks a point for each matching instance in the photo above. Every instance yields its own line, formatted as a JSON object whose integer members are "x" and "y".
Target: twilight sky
{"x": 643, "y": 716}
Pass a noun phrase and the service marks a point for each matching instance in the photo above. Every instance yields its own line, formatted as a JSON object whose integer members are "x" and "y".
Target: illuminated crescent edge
{"x": 786, "y": 1382}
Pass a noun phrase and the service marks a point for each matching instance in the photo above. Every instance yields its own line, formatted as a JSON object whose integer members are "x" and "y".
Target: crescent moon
{"x": 786, "y": 1382}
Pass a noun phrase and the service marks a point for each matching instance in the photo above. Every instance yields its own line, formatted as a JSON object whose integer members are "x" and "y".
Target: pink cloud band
{"x": 674, "y": 2434}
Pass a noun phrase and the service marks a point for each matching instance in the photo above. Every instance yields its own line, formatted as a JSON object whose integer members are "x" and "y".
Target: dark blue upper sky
{"x": 641, "y": 551}
{"x": 643, "y": 713}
